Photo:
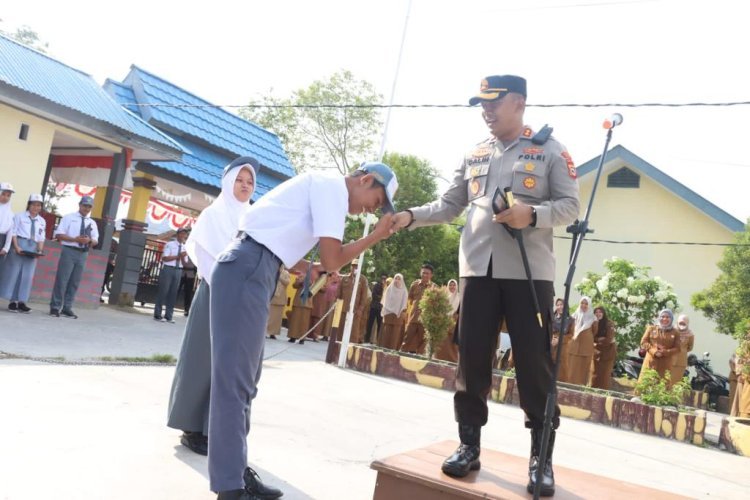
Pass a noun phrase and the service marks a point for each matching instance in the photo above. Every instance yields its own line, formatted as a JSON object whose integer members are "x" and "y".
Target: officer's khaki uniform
{"x": 346, "y": 286}
{"x": 299, "y": 320}
{"x": 687, "y": 339}
{"x": 494, "y": 283}
{"x": 278, "y": 302}
{"x": 414, "y": 338}
{"x": 668, "y": 340}
{"x": 605, "y": 353}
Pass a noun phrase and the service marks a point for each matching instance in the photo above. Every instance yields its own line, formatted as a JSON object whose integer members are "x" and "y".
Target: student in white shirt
{"x": 77, "y": 233}
{"x": 29, "y": 231}
{"x": 281, "y": 227}
{"x": 173, "y": 257}
{"x": 6, "y": 222}
{"x": 215, "y": 228}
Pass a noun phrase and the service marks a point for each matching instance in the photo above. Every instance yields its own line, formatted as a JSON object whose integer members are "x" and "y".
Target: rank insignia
{"x": 474, "y": 187}
{"x": 533, "y": 151}
{"x": 529, "y": 183}
{"x": 529, "y": 167}
{"x": 474, "y": 171}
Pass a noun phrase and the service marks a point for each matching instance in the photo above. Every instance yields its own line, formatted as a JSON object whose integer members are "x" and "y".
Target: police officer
{"x": 541, "y": 175}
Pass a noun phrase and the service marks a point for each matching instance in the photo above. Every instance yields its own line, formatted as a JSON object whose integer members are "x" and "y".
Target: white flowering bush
{"x": 632, "y": 298}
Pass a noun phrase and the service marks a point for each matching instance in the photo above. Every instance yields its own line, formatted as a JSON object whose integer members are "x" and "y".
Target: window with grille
{"x": 624, "y": 178}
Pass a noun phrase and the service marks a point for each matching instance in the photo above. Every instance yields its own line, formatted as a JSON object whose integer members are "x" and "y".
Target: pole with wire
{"x": 369, "y": 219}
{"x": 578, "y": 230}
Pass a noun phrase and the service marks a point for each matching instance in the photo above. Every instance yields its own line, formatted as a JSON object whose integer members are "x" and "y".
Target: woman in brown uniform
{"x": 687, "y": 339}
{"x": 278, "y": 302}
{"x": 299, "y": 321}
{"x": 562, "y": 374}
{"x": 605, "y": 350}
{"x": 394, "y": 304}
{"x": 581, "y": 349}
{"x": 661, "y": 343}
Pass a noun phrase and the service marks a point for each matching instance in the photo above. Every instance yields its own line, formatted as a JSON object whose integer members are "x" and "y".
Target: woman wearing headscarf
{"x": 448, "y": 348}
{"x": 215, "y": 228}
{"x": 6, "y": 222}
{"x": 661, "y": 343}
{"x": 330, "y": 292}
{"x": 687, "y": 339}
{"x": 394, "y": 304}
{"x": 563, "y": 372}
{"x": 605, "y": 350}
{"x": 299, "y": 318}
{"x": 581, "y": 349}
{"x": 27, "y": 242}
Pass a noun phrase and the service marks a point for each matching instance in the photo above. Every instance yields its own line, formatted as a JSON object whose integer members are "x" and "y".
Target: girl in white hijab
{"x": 394, "y": 304}
{"x": 581, "y": 348}
{"x": 215, "y": 228}
{"x": 6, "y": 221}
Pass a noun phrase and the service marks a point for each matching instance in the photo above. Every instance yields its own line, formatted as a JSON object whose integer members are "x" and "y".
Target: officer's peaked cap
{"x": 494, "y": 87}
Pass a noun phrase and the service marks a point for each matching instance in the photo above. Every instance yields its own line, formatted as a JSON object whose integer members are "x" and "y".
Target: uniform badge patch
{"x": 482, "y": 151}
{"x": 529, "y": 167}
{"x": 569, "y": 162}
{"x": 533, "y": 151}
{"x": 474, "y": 171}
{"x": 527, "y": 132}
{"x": 474, "y": 186}
{"x": 529, "y": 183}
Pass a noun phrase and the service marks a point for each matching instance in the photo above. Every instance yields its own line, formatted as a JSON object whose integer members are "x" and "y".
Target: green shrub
{"x": 655, "y": 390}
{"x": 436, "y": 317}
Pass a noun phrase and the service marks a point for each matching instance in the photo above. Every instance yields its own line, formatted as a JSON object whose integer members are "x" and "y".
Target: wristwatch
{"x": 533, "y": 217}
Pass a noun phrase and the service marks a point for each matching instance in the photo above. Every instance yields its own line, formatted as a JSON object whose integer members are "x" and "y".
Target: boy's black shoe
{"x": 254, "y": 485}
{"x": 13, "y": 307}
{"x": 195, "y": 442}
{"x": 23, "y": 308}
{"x": 69, "y": 314}
{"x": 54, "y": 312}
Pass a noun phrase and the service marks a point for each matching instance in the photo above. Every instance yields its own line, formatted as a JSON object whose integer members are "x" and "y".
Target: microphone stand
{"x": 578, "y": 230}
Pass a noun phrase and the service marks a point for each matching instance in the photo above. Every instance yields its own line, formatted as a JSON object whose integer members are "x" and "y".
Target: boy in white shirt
{"x": 281, "y": 227}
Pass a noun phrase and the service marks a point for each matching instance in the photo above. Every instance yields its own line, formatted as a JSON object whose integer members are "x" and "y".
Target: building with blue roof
{"x": 213, "y": 136}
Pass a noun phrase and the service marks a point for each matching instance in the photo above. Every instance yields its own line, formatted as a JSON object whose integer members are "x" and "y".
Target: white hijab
{"x": 6, "y": 218}
{"x": 395, "y": 297}
{"x": 217, "y": 224}
{"x": 454, "y": 298}
{"x": 583, "y": 320}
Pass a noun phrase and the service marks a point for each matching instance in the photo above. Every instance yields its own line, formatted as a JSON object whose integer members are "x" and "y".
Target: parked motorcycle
{"x": 629, "y": 366}
{"x": 706, "y": 380}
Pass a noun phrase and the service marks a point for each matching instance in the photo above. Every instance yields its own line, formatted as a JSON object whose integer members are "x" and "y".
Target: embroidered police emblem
{"x": 474, "y": 186}
{"x": 529, "y": 167}
{"x": 529, "y": 183}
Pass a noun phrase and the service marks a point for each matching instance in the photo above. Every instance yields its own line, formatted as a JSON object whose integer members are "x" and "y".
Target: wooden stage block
{"x": 416, "y": 475}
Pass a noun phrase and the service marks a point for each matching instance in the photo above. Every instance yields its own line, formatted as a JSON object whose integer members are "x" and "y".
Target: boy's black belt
{"x": 242, "y": 236}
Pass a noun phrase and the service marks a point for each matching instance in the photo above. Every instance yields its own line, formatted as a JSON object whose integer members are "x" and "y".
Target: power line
{"x": 684, "y": 243}
{"x": 381, "y": 106}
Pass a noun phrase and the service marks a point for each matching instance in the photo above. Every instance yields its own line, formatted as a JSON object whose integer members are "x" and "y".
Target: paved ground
{"x": 92, "y": 432}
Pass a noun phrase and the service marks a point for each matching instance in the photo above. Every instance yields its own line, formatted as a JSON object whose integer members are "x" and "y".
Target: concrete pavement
{"x": 97, "y": 431}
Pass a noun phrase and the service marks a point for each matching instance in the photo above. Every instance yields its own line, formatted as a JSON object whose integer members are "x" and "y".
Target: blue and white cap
{"x": 241, "y": 162}
{"x": 86, "y": 200}
{"x": 385, "y": 177}
{"x": 35, "y": 197}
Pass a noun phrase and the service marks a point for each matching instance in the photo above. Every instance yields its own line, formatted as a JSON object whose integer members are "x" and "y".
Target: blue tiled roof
{"x": 122, "y": 94}
{"x": 679, "y": 189}
{"x": 206, "y": 166}
{"x": 38, "y": 74}
{"x": 201, "y": 120}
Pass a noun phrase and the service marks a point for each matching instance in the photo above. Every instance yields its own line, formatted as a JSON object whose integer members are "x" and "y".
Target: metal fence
{"x": 150, "y": 264}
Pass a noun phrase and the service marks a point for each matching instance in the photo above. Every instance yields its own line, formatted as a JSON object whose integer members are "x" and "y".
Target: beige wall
{"x": 23, "y": 163}
{"x": 651, "y": 213}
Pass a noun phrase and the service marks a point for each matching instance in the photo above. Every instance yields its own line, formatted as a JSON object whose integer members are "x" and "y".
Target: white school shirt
{"x": 172, "y": 249}
{"x": 70, "y": 225}
{"x": 292, "y": 217}
{"x": 22, "y": 226}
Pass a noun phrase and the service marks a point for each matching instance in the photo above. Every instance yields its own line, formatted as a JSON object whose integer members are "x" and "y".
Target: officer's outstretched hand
{"x": 518, "y": 216}
{"x": 401, "y": 220}
{"x": 384, "y": 227}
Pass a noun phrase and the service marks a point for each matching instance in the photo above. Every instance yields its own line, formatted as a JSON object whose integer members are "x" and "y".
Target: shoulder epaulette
{"x": 542, "y": 136}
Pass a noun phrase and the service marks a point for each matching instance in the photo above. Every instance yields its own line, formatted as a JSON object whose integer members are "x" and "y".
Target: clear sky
{"x": 571, "y": 51}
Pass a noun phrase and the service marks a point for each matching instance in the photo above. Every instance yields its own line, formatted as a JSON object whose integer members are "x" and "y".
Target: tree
{"x": 27, "y": 36}
{"x": 435, "y": 316}
{"x": 406, "y": 251}
{"x": 632, "y": 299}
{"x": 727, "y": 300}
{"x": 324, "y": 137}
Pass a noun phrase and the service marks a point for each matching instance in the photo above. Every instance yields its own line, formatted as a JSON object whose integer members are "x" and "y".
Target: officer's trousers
{"x": 242, "y": 284}
{"x": 485, "y": 303}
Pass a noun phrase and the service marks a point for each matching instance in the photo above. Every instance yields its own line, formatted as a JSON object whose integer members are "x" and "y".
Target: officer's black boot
{"x": 466, "y": 457}
{"x": 548, "y": 476}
